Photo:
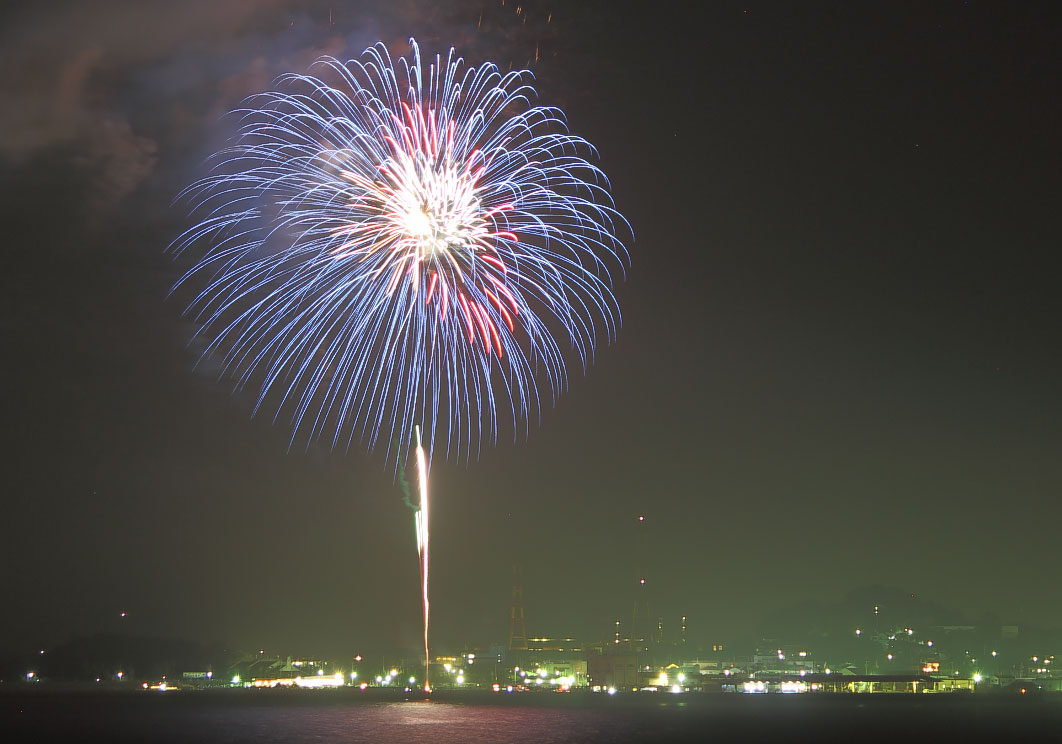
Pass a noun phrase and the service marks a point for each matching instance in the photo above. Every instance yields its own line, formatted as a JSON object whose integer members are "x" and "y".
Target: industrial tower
{"x": 641, "y": 624}
{"x": 517, "y": 627}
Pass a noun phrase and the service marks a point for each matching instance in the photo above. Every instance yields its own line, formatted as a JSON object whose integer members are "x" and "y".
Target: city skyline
{"x": 863, "y": 642}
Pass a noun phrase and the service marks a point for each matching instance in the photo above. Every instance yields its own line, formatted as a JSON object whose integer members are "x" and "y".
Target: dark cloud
{"x": 135, "y": 86}
{"x": 84, "y": 74}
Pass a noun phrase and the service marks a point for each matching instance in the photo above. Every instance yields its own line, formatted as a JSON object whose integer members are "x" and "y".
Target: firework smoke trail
{"x": 398, "y": 242}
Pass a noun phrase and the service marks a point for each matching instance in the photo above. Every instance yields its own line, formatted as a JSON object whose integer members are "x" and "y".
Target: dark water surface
{"x": 265, "y": 716}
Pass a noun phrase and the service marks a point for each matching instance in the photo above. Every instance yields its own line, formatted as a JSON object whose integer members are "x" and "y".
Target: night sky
{"x": 839, "y": 364}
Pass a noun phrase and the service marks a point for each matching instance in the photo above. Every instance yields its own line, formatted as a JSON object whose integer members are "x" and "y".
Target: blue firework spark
{"x": 398, "y": 243}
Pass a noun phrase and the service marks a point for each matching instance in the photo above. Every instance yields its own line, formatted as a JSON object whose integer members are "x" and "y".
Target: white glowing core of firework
{"x": 418, "y": 224}
{"x": 433, "y": 208}
{"x": 425, "y": 212}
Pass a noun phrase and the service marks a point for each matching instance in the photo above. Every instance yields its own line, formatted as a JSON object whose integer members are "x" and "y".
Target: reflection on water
{"x": 335, "y": 717}
{"x": 413, "y": 721}
{"x": 438, "y": 721}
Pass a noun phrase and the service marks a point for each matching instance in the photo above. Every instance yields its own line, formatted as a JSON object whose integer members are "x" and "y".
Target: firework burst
{"x": 393, "y": 243}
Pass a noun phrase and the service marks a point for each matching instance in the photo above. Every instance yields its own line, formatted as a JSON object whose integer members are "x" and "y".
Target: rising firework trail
{"x": 398, "y": 242}
{"x": 422, "y": 548}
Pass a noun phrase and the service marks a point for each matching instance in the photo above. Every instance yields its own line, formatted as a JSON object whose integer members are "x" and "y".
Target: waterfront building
{"x": 612, "y": 670}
